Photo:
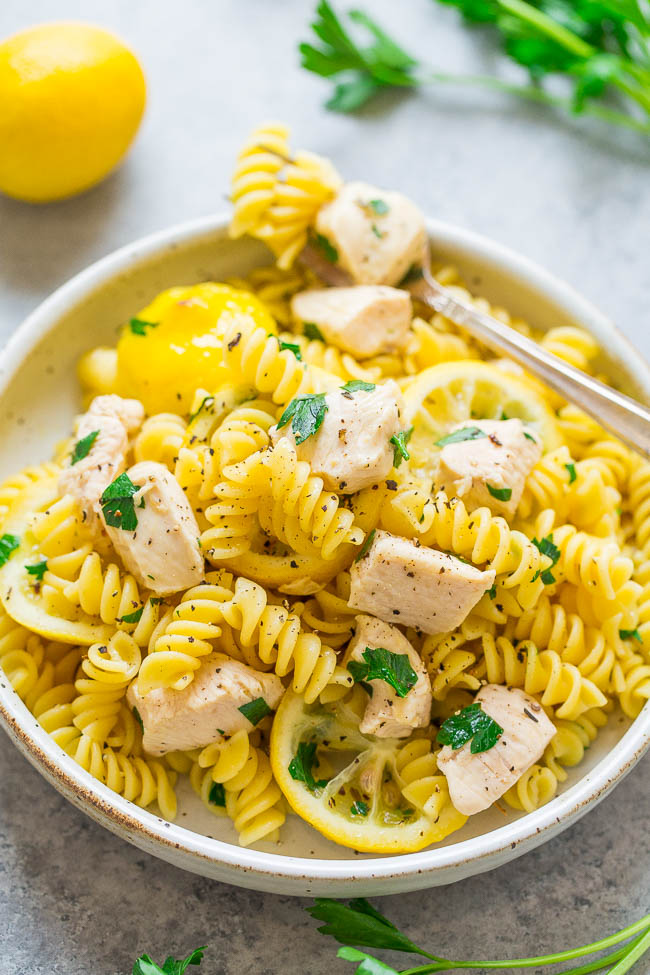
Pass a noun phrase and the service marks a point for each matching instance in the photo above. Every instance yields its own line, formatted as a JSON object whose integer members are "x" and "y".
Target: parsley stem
{"x": 551, "y": 28}
{"x": 632, "y": 951}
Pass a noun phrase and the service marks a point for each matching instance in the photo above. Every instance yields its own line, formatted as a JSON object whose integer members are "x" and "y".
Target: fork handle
{"x": 623, "y": 416}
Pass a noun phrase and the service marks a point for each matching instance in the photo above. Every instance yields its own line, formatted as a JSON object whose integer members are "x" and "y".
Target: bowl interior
{"x": 41, "y": 396}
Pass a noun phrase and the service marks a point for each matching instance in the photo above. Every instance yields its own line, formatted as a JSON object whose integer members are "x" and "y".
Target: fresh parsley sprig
{"x": 306, "y": 414}
{"x": 118, "y": 506}
{"x": 145, "y": 966}
{"x": 8, "y": 545}
{"x": 470, "y": 724}
{"x": 382, "y": 664}
{"x": 597, "y": 47}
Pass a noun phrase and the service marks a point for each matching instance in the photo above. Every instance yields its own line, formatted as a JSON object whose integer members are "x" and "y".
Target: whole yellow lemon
{"x": 71, "y": 100}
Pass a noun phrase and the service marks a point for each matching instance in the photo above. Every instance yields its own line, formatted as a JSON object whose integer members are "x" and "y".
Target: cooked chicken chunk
{"x": 111, "y": 420}
{"x": 352, "y": 447}
{"x": 501, "y": 461}
{"x": 387, "y": 715}
{"x": 163, "y": 552}
{"x": 366, "y": 320}
{"x": 207, "y": 709}
{"x": 475, "y": 781}
{"x": 403, "y": 582}
{"x": 378, "y": 235}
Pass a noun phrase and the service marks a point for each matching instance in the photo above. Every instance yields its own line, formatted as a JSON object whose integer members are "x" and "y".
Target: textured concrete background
{"x": 74, "y": 899}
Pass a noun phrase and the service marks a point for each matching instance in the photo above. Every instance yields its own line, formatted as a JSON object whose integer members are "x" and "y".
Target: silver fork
{"x": 622, "y": 415}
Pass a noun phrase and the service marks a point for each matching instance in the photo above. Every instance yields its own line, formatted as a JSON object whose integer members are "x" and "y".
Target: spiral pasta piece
{"x": 160, "y": 438}
{"x": 108, "y": 669}
{"x": 276, "y": 196}
{"x": 419, "y": 779}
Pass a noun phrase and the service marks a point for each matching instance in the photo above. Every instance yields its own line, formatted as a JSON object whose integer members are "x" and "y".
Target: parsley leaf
{"x": 306, "y": 414}
{"x": 357, "y": 386}
{"x": 145, "y": 966}
{"x": 117, "y": 504}
{"x": 630, "y": 635}
{"x": 529, "y": 436}
{"x": 359, "y": 808}
{"x": 470, "y": 723}
{"x": 139, "y": 326}
{"x": 138, "y": 718}
{"x": 327, "y": 247}
{"x": 38, "y": 570}
{"x": 302, "y": 764}
{"x": 312, "y": 332}
{"x": 82, "y": 447}
{"x": 548, "y": 548}
{"x": 134, "y": 617}
{"x": 365, "y": 548}
{"x": 290, "y": 347}
{"x": 399, "y": 441}
{"x": 376, "y": 231}
{"x": 501, "y": 494}
{"x": 382, "y": 664}
{"x": 359, "y": 923}
{"x": 458, "y": 436}
{"x": 380, "y": 207}
{"x": 205, "y": 404}
{"x": 572, "y": 472}
{"x": 492, "y": 591}
{"x": 217, "y": 795}
{"x": 255, "y": 710}
{"x": 8, "y": 545}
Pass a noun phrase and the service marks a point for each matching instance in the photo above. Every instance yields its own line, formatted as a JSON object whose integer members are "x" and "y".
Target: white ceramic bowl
{"x": 38, "y": 398}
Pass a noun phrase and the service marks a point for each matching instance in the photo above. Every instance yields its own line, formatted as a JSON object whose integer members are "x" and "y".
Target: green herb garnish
{"x": 255, "y": 710}
{"x": 572, "y": 472}
{"x": 205, "y": 403}
{"x": 138, "y": 718}
{"x": 217, "y": 795}
{"x": 599, "y": 47}
{"x": 302, "y": 764}
{"x": 327, "y": 247}
{"x": 529, "y": 436}
{"x": 367, "y": 542}
{"x": 357, "y": 386}
{"x": 492, "y": 591}
{"x": 139, "y": 326}
{"x": 548, "y": 548}
{"x": 8, "y": 545}
{"x": 306, "y": 414}
{"x": 38, "y": 569}
{"x": 118, "y": 506}
{"x": 501, "y": 494}
{"x": 290, "y": 347}
{"x": 382, "y": 664}
{"x": 145, "y": 966}
{"x": 630, "y": 635}
{"x": 399, "y": 441}
{"x": 82, "y": 447}
{"x": 376, "y": 231}
{"x": 359, "y": 808}
{"x": 458, "y": 436}
{"x": 472, "y": 723}
{"x": 380, "y": 207}
{"x": 134, "y": 617}
{"x": 312, "y": 332}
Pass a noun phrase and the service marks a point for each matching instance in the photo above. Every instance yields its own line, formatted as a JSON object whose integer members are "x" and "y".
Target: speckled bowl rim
{"x": 250, "y": 867}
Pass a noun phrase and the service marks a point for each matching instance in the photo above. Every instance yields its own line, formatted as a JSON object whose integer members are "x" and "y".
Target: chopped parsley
{"x": 358, "y": 386}
{"x": 82, "y": 447}
{"x": 458, "y": 436}
{"x": 501, "y": 494}
{"x": 139, "y": 326}
{"x": 302, "y": 764}
{"x": 8, "y": 545}
{"x": 312, "y": 332}
{"x": 255, "y": 710}
{"x": 380, "y": 207}
{"x": 630, "y": 635}
{"x": 472, "y": 723}
{"x": 306, "y": 414}
{"x": 217, "y": 795}
{"x": 529, "y": 436}
{"x": 548, "y": 548}
{"x": 38, "y": 570}
{"x": 134, "y": 617}
{"x": 399, "y": 441}
{"x": 492, "y": 591}
{"x": 504, "y": 415}
{"x": 290, "y": 347}
{"x": 376, "y": 231}
{"x": 205, "y": 403}
{"x": 572, "y": 472}
{"x": 117, "y": 504}
{"x": 136, "y": 715}
{"x": 359, "y": 808}
{"x": 328, "y": 248}
{"x": 382, "y": 664}
{"x": 365, "y": 548}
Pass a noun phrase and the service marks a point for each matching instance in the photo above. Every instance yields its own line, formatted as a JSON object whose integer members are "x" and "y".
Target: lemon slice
{"x": 48, "y": 530}
{"x": 373, "y": 795}
{"x": 453, "y": 392}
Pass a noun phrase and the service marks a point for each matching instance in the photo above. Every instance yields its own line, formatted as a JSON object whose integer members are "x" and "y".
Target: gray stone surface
{"x": 575, "y": 197}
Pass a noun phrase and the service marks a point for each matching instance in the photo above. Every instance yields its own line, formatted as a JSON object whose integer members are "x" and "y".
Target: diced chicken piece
{"x": 352, "y": 449}
{"x": 366, "y": 320}
{"x": 403, "y": 582}
{"x": 489, "y": 470}
{"x": 475, "y": 781}
{"x": 378, "y": 235}
{"x": 163, "y": 552}
{"x": 112, "y": 419}
{"x": 388, "y": 715}
{"x": 207, "y": 709}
